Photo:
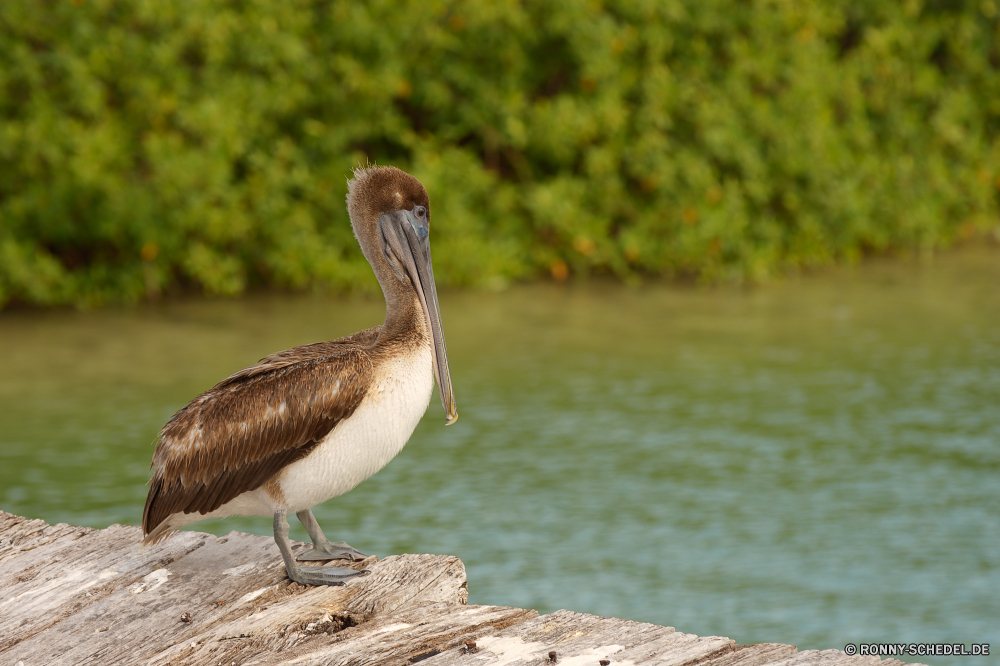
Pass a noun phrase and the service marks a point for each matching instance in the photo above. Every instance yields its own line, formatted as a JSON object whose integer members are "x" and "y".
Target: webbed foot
{"x": 332, "y": 551}
{"x": 324, "y": 575}
{"x": 310, "y": 575}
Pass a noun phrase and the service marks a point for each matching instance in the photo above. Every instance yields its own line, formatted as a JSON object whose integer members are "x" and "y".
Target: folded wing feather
{"x": 237, "y": 435}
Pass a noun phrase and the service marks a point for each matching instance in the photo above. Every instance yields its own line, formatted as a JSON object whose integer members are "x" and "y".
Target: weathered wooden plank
{"x": 72, "y": 595}
{"x": 832, "y": 658}
{"x": 52, "y": 573}
{"x": 418, "y": 579}
{"x": 23, "y": 534}
{"x": 579, "y": 639}
{"x": 75, "y": 595}
{"x": 751, "y": 655}
{"x": 401, "y": 638}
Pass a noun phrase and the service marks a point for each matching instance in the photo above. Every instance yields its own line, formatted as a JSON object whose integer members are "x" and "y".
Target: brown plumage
{"x": 271, "y": 438}
{"x": 235, "y": 436}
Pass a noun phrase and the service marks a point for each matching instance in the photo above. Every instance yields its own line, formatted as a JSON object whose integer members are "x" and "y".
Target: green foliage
{"x": 149, "y": 145}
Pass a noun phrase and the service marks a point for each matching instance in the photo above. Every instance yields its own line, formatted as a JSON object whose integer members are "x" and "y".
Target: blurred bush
{"x": 149, "y": 145}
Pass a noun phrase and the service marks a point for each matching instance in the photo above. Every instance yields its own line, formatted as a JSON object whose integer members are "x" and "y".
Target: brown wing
{"x": 237, "y": 435}
{"x": 304, "y": 353}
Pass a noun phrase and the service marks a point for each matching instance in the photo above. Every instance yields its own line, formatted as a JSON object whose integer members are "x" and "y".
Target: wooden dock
{"x": 75, "y": 595}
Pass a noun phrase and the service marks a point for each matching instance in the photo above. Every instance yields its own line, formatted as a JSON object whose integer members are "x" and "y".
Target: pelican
{"x": 311, "y": 423}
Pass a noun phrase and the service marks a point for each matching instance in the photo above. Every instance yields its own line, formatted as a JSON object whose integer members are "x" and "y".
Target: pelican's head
{"x": 391, "y": 213}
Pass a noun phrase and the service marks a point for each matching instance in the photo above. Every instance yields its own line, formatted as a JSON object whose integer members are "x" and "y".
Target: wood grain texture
{"x": 751, "y": 655}
{"x": 268, "y": 637}
{"x": 75, "y": 595}
{"x": 71, "y": 595}
{"x": 579, "y": 639}
{"x": 831, "y": 658}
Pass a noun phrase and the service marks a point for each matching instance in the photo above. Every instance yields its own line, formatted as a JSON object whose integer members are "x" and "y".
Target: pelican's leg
{"x": 307, "y": 575}
{"x": 322, "y": 548}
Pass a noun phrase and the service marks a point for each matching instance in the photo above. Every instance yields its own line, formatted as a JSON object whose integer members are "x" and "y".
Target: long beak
{"x": 408, "y": 238}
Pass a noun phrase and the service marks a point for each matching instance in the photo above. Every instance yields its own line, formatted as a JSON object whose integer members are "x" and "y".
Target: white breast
{"x": 365, "y": 442}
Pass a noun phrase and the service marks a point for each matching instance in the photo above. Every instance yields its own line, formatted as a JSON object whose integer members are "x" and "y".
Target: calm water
{"x": 812, "y": 462}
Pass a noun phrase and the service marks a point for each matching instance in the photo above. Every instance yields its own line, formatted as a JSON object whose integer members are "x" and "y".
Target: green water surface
{"x": 814, "y": 462}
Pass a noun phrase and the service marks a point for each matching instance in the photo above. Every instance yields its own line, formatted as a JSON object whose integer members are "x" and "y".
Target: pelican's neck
{"x": 404, "y": 316}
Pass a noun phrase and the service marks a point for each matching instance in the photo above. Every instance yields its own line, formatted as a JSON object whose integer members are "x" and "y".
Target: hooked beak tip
{"x": 451, "y": 418}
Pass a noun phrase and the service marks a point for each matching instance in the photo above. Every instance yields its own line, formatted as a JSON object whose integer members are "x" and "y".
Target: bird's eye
{"x": 420, "y": 211}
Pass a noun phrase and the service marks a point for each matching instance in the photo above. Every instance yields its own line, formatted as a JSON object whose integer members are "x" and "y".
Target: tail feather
{"x": 161, "y": 532}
